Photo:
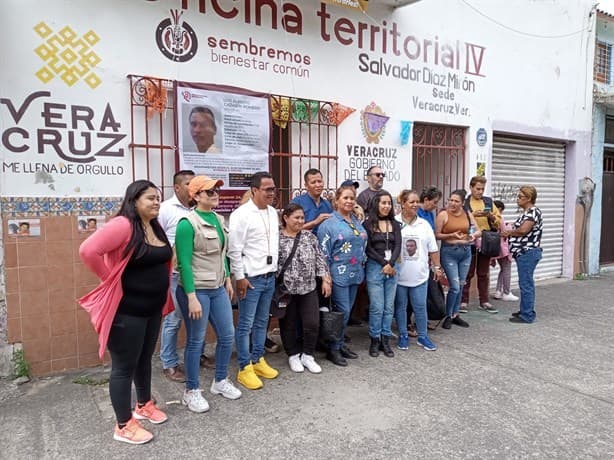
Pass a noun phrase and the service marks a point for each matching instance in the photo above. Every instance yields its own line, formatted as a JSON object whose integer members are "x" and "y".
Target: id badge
{"x": 269, "y": 260}
{"x": 387, "y": 254}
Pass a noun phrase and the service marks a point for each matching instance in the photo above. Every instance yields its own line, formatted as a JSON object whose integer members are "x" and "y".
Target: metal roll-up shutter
{"x": 517, "y": 162}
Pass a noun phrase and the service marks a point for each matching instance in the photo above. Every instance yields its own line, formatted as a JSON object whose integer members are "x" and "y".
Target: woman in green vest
{"x": 205, "y": 290}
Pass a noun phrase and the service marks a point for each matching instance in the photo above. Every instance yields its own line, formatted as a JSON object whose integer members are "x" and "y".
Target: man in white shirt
{"x": 171, "y": 211}
{"x": 253, "y": 246}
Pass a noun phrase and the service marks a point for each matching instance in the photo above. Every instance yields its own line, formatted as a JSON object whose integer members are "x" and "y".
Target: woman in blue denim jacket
{"x": 343, "y": 240}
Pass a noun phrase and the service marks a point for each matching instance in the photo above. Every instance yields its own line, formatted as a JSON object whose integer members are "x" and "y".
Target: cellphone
{"x": 269, "y": 260}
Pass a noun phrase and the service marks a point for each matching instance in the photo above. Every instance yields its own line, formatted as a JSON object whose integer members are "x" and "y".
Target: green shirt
{"x": 184, "y": 246}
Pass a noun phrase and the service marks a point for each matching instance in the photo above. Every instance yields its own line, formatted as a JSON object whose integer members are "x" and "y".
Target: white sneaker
{"x": 195, "y": 401}
{"x": 310, "y": 364}
{"x": 497, "y": 295}
{"x": 225, "y": 388}
{"x": 509, "y": 297}
{"x": 295, "y": 363}
{"x": 464, "y": 308}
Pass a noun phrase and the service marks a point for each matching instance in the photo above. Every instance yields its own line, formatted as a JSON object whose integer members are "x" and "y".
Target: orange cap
{"x": 199, "y": 183}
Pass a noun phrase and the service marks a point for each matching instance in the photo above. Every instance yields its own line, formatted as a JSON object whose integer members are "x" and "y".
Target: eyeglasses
{"x": 212, "y": 192}
{"x": 354, "y": 229}
{"x": 269, "y": 189}
{"x": 379, "y": 174}
{"x": 520, "y": 195}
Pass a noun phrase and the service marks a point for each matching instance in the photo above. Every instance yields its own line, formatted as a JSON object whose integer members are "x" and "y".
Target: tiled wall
{"x": 44, "y": 277}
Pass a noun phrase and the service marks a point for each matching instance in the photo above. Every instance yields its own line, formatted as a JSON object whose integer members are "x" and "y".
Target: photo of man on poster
{"x": 203, "y": 129}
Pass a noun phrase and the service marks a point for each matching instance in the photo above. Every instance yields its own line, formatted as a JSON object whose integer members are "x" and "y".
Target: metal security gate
{"x": 606, "y": 251}
{"x": 516, "y": 162}
{"x": 438, "y": 158}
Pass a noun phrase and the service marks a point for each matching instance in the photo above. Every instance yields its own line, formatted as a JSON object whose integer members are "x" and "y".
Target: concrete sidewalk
{"x": 495, "y": 390}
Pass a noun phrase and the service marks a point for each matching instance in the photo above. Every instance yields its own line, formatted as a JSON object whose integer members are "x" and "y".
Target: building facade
{"x": 96, "y": 94}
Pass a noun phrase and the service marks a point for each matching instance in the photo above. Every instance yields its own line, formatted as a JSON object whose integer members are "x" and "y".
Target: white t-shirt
{"x": 418, "y": 240}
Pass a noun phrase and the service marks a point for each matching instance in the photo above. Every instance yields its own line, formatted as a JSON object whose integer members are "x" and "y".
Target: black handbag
{"x": 281, "y": 296}
{"x": 331, "y": 324}
{"x": 436, "y": 301}
{"x": 491, "y": 244}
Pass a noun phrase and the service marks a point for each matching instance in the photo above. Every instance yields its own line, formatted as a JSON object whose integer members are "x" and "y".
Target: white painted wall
{"x": 529, "y": 83}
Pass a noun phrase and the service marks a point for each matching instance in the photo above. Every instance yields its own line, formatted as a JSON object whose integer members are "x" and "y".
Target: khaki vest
{"x": 209, "y": 255}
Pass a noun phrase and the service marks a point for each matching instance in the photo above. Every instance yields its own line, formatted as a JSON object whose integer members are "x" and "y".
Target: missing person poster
{"x": 223, "y": 132}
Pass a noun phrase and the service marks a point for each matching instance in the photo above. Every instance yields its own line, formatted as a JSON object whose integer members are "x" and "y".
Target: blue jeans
{"x": 170, "y": 327}
{"x": 343, "y": 298}
{"x": 254, "y": 318}
{"x": 417, "y": 296}
{"x": 216, "y": 309}
{"x": 526, "y": 263}
{"x": 381, "y": 289}
{"x": 455, "y": 260}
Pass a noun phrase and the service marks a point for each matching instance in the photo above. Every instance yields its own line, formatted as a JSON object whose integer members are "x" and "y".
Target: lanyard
{"x": 267, "y": 229}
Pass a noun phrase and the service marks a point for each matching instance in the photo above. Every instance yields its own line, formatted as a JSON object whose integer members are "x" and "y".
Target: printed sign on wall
{"x": 222, "y": 134}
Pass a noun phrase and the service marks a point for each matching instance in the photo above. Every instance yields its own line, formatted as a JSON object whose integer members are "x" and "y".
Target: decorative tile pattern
{"x": 58, "y": 206}
{"x": 67, "y": 55}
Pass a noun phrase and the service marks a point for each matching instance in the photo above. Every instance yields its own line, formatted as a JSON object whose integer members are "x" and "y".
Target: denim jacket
{"x": 344, "y": 249}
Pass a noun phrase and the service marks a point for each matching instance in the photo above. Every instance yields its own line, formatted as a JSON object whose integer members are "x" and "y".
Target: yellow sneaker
{"x": 263, "y": 369}
{"x": 248, "y": 378}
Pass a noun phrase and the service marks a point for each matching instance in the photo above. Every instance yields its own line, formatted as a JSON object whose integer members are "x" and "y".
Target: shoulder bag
{"x": 281, "y": 296}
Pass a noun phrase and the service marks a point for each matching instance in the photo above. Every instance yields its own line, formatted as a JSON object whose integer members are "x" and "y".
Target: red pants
{"x": 481, "y": 265}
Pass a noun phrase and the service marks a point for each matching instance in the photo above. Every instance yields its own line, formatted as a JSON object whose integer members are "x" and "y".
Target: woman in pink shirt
{"x": 132, "y": 257}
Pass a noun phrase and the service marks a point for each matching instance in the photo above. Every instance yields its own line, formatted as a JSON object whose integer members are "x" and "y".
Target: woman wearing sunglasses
{"x": 205, "y": 290}
{"x": 343, "y": 240}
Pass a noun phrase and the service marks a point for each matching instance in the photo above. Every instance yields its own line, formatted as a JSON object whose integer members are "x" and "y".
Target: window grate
{"x": 438, "y": 157}
{"x": 303, "y": 136}
{"x": 603, "y": 63}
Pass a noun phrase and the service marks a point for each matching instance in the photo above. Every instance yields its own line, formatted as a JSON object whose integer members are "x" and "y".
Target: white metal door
{"x": 517, "y": 162}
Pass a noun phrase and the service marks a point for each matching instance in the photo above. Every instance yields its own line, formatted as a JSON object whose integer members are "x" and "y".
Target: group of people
{"x": 178, "y": 260}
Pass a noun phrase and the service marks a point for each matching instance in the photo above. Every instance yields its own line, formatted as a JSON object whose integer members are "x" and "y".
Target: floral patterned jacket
{"x": 343, "y": 245}
{"x": 307, "y": 263}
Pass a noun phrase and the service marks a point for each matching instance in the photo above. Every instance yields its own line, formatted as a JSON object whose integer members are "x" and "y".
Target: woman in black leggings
{"x": 131, "y": 255}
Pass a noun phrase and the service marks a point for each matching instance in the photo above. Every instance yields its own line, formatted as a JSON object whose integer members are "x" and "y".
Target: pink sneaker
{"x": 132, "y": 433}
{"x": 149, "y": 412}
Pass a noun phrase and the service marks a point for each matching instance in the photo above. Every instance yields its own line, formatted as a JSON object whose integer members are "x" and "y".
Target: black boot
{"x": 386, "y": 347}
{"x": 335, "y": 357}
{"x": 373, "y": 348}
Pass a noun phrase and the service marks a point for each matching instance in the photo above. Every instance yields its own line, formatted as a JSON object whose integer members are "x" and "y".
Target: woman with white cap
{"x": 205, "y": 290}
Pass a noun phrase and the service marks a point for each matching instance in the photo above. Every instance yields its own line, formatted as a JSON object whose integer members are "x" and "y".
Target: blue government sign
{"x": 481, "y": 137}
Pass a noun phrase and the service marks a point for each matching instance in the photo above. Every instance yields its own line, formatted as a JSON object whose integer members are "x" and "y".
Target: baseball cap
{"x": 347, "y": 183}
{"x": 199, "y": 183}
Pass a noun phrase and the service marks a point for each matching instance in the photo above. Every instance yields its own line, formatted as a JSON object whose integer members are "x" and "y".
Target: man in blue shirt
{"x": 317, "y": 209}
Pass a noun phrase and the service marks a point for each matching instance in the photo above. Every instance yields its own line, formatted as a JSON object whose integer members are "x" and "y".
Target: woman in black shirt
{"x": 383, "y": 250}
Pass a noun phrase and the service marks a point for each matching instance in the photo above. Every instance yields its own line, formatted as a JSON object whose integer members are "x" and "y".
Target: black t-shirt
{"x": 145, "y": 282}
